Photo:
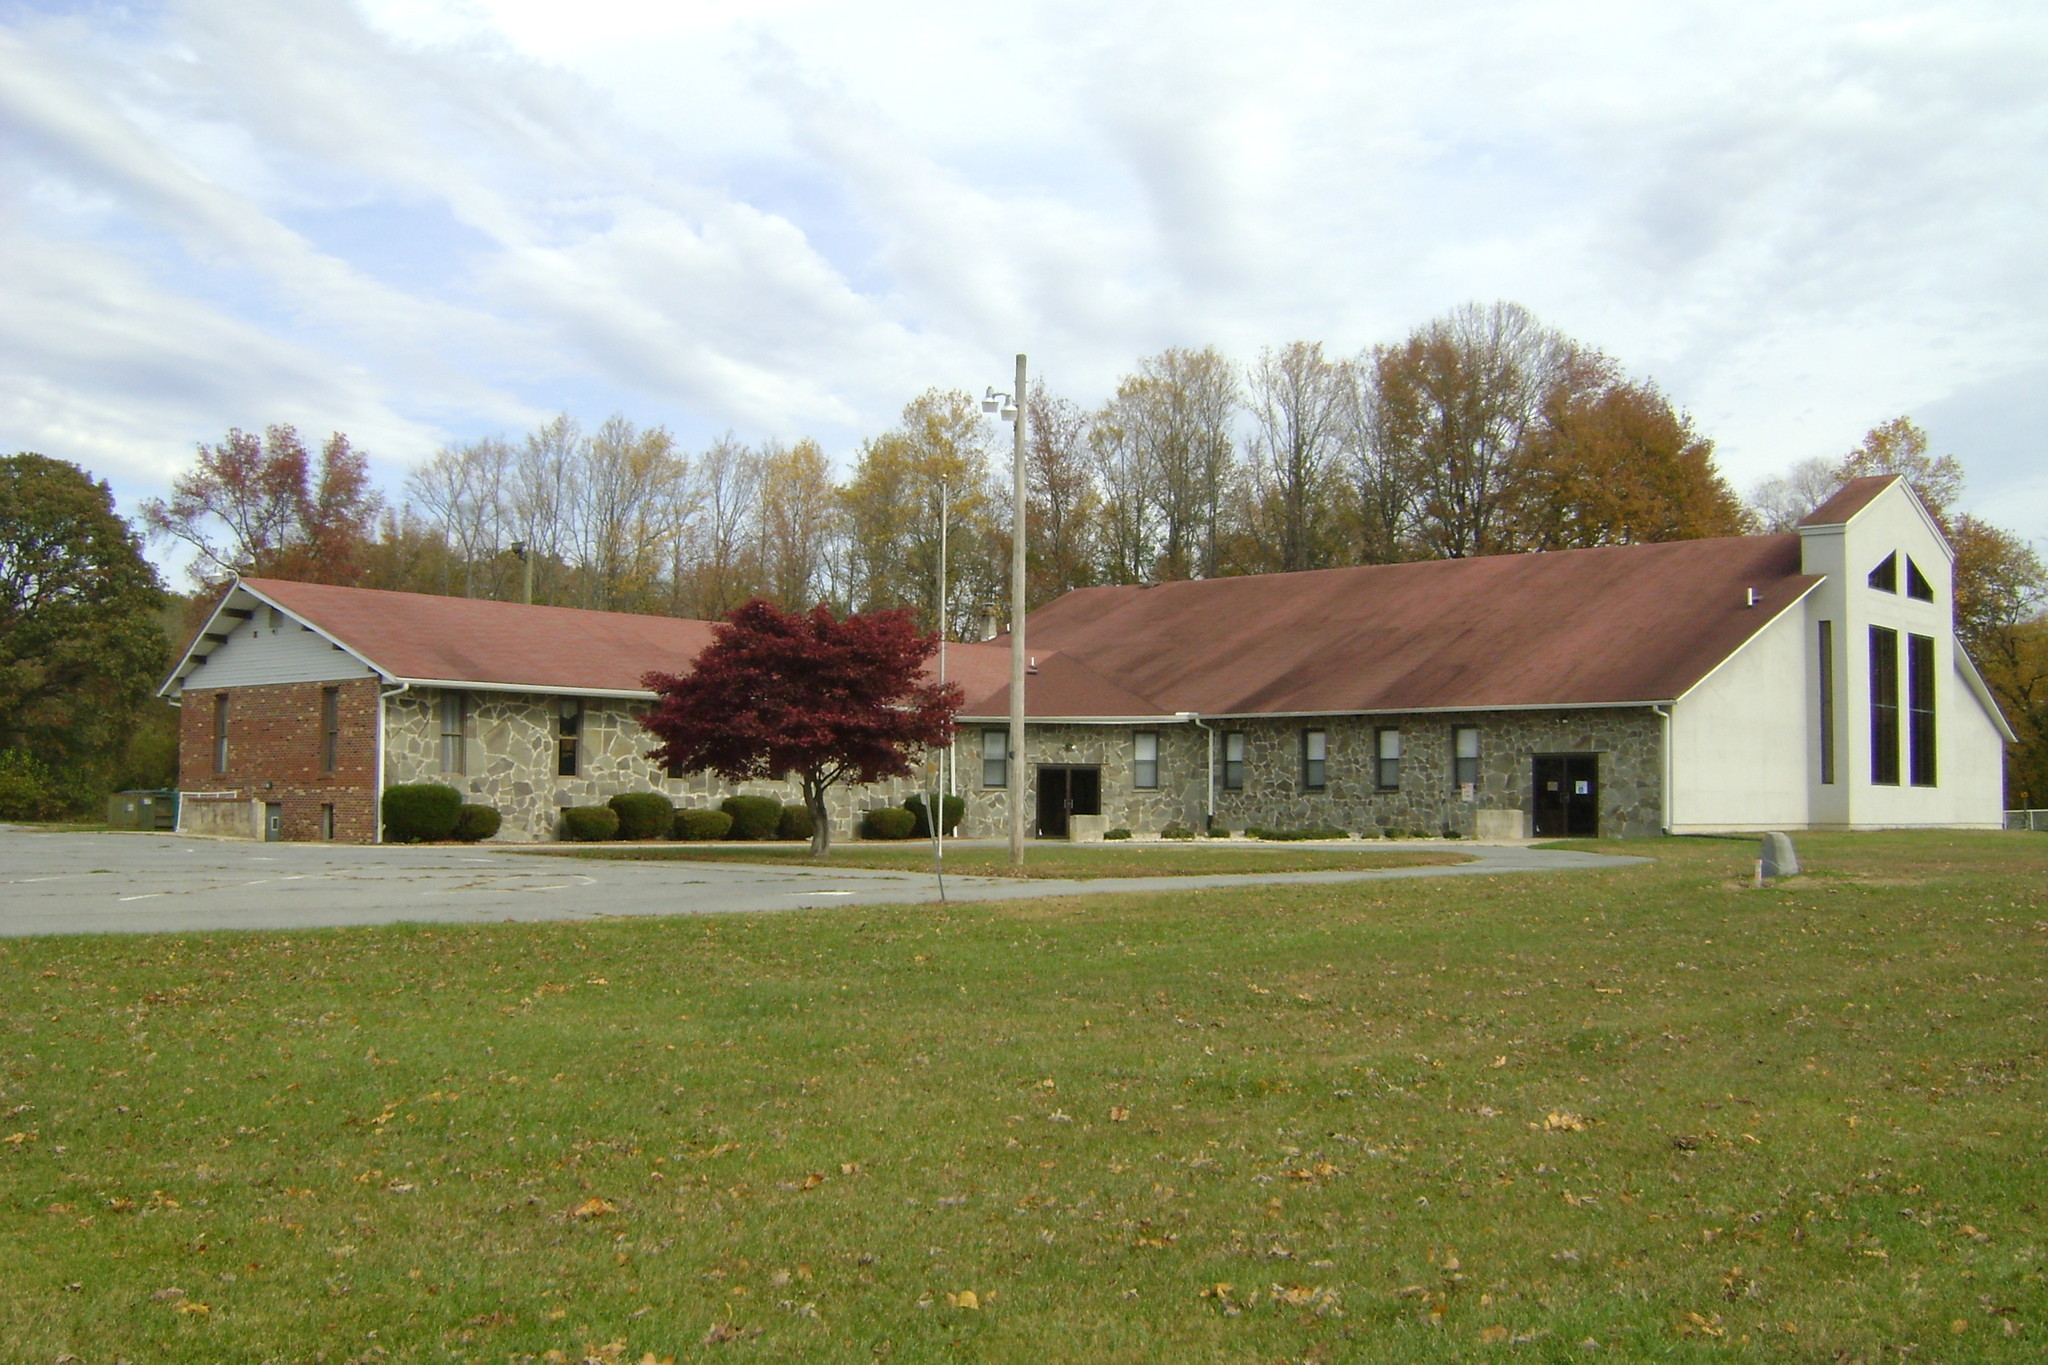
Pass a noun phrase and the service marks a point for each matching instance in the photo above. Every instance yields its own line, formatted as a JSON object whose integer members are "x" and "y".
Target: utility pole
{"x": 1017, "y": 629}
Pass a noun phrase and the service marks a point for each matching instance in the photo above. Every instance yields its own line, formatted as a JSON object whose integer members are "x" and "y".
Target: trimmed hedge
{"x": 644, "y": 815}
{"x": 1176, "y": 832}
{"x": 589, "y": 824}
{"x": 702, "y": 826}
{"x": 1296, "y": 835}
{"x": 890, "y": 822}
{"x": 1219, "y": 831}
{"x": 953, "y": 806}
{"x": 1116, "y": 834}
{"x": 796, "y": 823}
{"x": 474, "y": 824}
{"x": 753, "y": 817}
{"x": 420, "y": 812}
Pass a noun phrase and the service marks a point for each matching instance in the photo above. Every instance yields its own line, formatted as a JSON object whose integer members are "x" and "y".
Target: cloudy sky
{"x": 420, "y": 221}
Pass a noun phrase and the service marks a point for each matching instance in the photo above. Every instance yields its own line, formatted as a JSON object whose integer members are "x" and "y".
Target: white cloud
{"x": 785, "y": 217}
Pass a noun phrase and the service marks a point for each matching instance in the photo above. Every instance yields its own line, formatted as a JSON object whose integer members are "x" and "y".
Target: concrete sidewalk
{"x": 62, "y": 883}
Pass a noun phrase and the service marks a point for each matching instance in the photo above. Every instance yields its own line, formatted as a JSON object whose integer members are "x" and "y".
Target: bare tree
{"x": 463, "y": 492}
{"x": 543, "y": 502}
{"x": 728, "y": 486}
{"x": 1064, "y": 499}
{"x": 1298, "y": 405}
{"x": 1780, "y": 501}
{"x": 624, "y": 479}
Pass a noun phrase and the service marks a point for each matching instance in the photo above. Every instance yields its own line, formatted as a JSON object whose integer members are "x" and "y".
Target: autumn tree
{"x": 1613, "y": 463}
{"x": 890, "y": 510}
{"x": 1062, "y": 499}
{"x": 465, "y": 491}
{"x": 81, "y": 642}
{"x": 1172, "y": 423}
{"x": 1457, "y": 403}
{"x": 265, "y": 507}
{"x": 797, "y": 523}
{"x": 823, "y": 698}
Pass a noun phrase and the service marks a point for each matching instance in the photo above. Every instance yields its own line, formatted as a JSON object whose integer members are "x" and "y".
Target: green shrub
{"x": 420, "y": 812}
{"x": 1297, "y": 835}
{"x": 644, "y": 815}
{"x": 1116, "y": 834}
{"x": 796, "y": 823}
{"x": 589, "y": 824}
{"x": 474, "y": 824}
{"x": 1176, "y": 832}
{"x": 702, "y": 826}
{"x": 890, "y": 822}
{"x": 753, "y": 817}
{"x": 1219, "y": 831}
{"x": 954, "y": 807}
{"x": 27, "y": 790}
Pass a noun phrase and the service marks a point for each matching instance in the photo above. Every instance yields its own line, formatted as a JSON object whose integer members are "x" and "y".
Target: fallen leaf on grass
{"x": 1564, "y": 1121}
{"x": 1322, "y": 1170}
{"x": 194, "y": 1307}
{"x": 1693, "y": 1325}
{"x": 1119, "y": 1114}
{"x": 593, "y": 1207}
{"x": 966, "y": 1298}
{"x": 1493, "y": 1336}
{"x": 813, "y": 1180}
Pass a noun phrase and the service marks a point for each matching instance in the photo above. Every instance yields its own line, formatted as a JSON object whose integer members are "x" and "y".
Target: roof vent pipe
{"x": 1754, "y": 598}
{"x": 991, "y": 622}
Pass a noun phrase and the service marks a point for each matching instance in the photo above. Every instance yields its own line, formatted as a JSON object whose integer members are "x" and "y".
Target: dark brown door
{"x": 1064, "y": 792}
{"x": 1567, "y": 790}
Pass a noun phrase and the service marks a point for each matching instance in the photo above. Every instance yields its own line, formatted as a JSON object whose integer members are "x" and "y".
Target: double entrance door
{"x": 1063, "y": 792}
{"x": 1567, "y": 796}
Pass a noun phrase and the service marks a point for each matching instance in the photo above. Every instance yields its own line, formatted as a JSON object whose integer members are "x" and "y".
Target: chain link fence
{"x": 2027, "y": 819}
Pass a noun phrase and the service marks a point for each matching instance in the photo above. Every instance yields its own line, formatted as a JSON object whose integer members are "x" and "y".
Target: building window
{"x": 1464, "y": 756}
{"x": 220, "y": 732}
{"x": 1884, "y": 706}
{"x": 1315, "y": 756}
{"x": 1827, "y": 702}
{"x": 995, "y": 758}
{"x": 454, "y": 714}
{"x": 1145, "y": 759}
{"x": 330, "y": 729}
{"x": 1917, "y": 586}
{"x": 1920, "y": 710}
{"x": 1233, "y": 760}
{"x": 1885, "y": 577}
{"x": 1387, "y": 748}
{"x": 568, "y": 730}
{"x": 327, "y": 823}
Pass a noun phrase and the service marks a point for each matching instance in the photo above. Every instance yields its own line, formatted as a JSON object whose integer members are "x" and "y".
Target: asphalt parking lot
{"x": 69, "y": 883}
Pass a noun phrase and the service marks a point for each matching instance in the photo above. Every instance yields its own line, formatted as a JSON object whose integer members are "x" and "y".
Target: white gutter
{"x": 1665, "y": 794}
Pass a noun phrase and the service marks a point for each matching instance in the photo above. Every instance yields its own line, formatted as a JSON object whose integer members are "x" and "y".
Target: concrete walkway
{"x": 60, "y": 883}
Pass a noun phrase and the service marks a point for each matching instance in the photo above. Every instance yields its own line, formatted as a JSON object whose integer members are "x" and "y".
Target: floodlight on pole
{"x": 1010, "y": 408}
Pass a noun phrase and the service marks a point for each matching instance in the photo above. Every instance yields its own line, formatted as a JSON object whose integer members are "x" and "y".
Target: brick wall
{"x": 275, "y": 737}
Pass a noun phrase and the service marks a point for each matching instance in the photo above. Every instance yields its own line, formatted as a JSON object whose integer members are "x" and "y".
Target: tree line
{"x": 1481, "y": 432}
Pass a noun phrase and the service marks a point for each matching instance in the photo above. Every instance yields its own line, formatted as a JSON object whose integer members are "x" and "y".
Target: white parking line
{"x": 147, "y": 895}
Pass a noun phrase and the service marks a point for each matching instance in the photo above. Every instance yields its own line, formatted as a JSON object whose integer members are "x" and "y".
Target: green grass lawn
{"x": 1461, "y": 1119}
{"x": 1057, "y": 861}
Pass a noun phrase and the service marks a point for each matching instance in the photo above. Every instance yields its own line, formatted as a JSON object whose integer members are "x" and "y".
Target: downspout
{"x": 377, "y": 810}
{"x": 1209, "y": 736}
{"x": 1664, "y": 777}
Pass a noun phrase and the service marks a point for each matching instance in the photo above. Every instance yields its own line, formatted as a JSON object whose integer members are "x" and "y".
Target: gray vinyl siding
{"x": 255, "y": 654}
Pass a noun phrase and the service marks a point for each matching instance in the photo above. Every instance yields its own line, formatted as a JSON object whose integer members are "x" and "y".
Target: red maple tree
{"x": 804, "y": 693}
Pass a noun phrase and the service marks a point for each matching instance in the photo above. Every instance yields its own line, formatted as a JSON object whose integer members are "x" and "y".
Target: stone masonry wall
{"x": 1629, "y": 743}
{"x": 510, "y": 763}
{"x": 275, "y": 755}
